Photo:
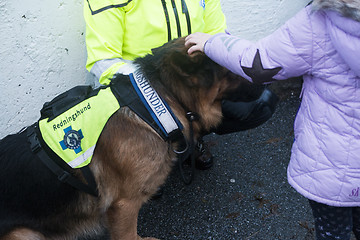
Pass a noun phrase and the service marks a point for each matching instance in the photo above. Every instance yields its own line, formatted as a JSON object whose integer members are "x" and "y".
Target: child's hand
{"x": 196, "y": 41}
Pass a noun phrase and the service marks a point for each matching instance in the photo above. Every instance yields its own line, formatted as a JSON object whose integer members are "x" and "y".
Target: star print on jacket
{"x": 257, "y": 72}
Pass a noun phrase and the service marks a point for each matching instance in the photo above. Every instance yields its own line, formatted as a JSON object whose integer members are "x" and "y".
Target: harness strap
{"x": 126, "y": 94}
{"x": 62, "y": 175}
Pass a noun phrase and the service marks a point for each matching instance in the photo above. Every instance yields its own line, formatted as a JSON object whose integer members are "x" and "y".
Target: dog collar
{"x": 158, "y": 109}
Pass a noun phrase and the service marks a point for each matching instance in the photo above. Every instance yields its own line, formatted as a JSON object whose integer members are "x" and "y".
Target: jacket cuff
{"x": 227, "y": 50}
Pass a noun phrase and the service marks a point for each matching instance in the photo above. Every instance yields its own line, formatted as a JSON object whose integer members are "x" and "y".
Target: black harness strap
{"x": 63, "y": 175}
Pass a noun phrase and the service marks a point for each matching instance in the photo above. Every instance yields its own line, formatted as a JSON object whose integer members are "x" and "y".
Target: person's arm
{"x": 284, "y": 54}
{"x": 104, "y": 35}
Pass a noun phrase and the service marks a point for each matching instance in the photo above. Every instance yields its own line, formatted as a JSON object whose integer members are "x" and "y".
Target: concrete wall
{"x": 43, "y": 53}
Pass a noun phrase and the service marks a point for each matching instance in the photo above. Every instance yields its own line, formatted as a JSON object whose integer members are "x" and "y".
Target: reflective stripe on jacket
{"x": 118, "y": 30}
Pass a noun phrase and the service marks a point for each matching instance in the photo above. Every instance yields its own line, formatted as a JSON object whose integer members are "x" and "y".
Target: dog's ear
{"x": 173, "y": 60}
{"x": 187, "y": 65}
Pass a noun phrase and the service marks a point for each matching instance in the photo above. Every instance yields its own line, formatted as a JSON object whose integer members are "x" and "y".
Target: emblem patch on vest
{"x": 72, "y": 140}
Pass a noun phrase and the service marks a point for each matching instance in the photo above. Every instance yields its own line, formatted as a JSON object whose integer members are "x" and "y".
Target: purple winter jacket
{"x": 323, "y": 46}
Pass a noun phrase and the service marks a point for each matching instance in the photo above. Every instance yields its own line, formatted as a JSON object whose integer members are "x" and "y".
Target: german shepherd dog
{"x": 130, "y": 160}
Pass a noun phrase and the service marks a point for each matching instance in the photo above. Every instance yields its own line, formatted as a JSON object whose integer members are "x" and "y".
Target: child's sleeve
{"x": 284, "y": 54}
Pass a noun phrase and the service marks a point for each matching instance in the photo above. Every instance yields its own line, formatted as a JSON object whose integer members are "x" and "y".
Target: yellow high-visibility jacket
{"x": 118, "y": 31}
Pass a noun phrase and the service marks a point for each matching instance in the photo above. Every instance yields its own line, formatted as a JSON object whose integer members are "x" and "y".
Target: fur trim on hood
{"x": 347, "y": 8}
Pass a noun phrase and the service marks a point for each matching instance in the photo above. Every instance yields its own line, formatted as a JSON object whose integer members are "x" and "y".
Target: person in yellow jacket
{"x": 122, "y": 30}
{"x": 118, "y": 31}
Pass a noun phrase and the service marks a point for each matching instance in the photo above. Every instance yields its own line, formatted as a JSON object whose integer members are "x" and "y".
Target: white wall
{"x": 254, "y": 19}
{"x": 43, "y": 53}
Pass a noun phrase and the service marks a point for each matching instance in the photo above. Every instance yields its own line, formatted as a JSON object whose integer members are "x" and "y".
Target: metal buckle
{"x": 191, "y": 116}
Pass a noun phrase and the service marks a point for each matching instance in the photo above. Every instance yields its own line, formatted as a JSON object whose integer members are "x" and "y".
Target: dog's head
{"x": 195, "y": 81}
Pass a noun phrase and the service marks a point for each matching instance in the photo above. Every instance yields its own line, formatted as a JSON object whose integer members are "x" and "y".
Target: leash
{"x": 188, "y": 150}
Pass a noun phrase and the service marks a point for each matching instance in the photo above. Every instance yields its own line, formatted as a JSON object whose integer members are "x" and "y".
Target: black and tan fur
{"x": 130, "y": 160}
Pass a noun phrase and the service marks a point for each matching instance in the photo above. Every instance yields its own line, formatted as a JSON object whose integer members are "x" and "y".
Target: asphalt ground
{"x": 244, "y": 196}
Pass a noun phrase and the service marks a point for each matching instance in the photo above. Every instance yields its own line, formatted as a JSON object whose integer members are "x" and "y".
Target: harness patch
{"x": 72, "y": 140}
{"x": 159, "y": 110}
